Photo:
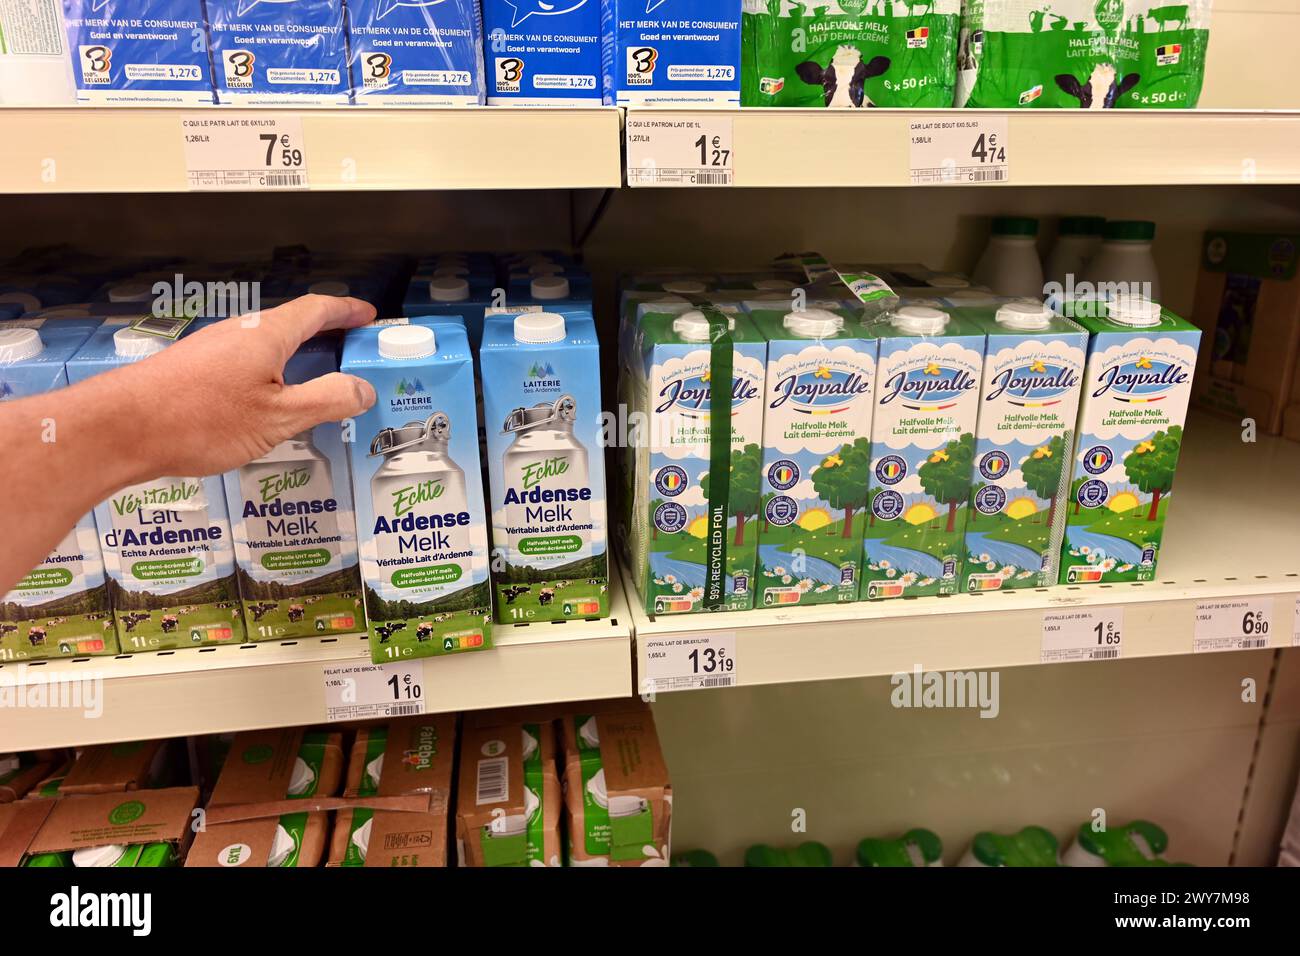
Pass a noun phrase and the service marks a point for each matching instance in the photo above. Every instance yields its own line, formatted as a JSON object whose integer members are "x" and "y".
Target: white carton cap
{"x": 132, "y": 290}
{"x": 947, "y": 280}
{"x": 539, "y": 328}
{"x": 919, "y": 320}
{"x": 549, "y": 287}
{"x": 1024, "y": 314}
{"x": 1134, "y": 310}
{"x": 28, "y": 301}
{"x": 19, "y": 345}
{"x": 406, "y": 342}
{"x": 693, "y": 326}
{"x": 773, "y": 285}
{"x": 129, "y": 343}
{"x": 329, "y": 287}
{"x": 448, "y": 289}
{"x": 813, "y": 323}
{"x": 685, "y": 286}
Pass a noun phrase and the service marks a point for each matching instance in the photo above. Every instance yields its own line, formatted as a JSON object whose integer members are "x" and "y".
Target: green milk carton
{"x": 691, "y": 532}
{"x": 922, "y": 446}
{"x": 821, "y": 367}
{"x": 1135, "y": 392}
{"x": 1029, "y": 400}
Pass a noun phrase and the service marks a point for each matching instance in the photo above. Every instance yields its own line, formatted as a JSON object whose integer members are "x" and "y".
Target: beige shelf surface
{"x": 277, "y": 684}
{"x": 78, "y": 150}
{"x": 1233, "y": 532}
{"x": 871, "y": 147}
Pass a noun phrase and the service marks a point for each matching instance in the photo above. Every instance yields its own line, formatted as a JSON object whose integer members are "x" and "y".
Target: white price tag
{"x": 358, "y": 691}
{"x": 965, "y": 150}
{"x": 1084, "y": 634}
{"x": 1236, "y": 625}
{"x": 688, "y": 661}
{"x": 679, "y": 150}
{"x": 244, "y": 152}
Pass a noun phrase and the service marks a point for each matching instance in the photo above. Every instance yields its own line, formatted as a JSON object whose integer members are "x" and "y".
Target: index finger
{"x": 298, "y": 320}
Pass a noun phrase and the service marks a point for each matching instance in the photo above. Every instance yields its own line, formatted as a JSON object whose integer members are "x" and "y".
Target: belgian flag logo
{"x": 918, "y": 38}
{"x": 671, "y": 481}
{"x": 784, "y": 475}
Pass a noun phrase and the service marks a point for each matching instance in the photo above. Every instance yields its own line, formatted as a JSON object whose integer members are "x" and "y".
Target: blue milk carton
{"x": 278, "y": 52}
{"x": 61, "y": 607}
{"x": 922, "y": 447}
{"x": 166, "y": 542}
{"x": 423, "y": 53}
{"x": 418, "y": 487}
{"x": 543, "y": 54}
{"x": 139, "y": 52}
{"x": 295, "y": 533}
{"x": 1029, "y": 400}
{"x": 671, "y": 53}
{"x": 468, "y": 298}
{"x": 821, "y": 377}
{"x": 541, "y": 402}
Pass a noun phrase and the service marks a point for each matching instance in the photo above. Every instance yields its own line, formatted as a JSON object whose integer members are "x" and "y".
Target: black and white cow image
{"x": 545, "y": 596}
{"x": 1101, "y": 91}
{"x": 7, "y": 629}
{"x": 130, "y": 620}
{"x": 169, "y": 623}
{"x": 36, "y": 636}
{"x": 385, "y": 631}
{"x": 423, "y": 631}
{"x": 843, "y": 78}
{"x": 295, "y": 613}
{"x": 514, "y": 591}
{"x": 259, "y": 609}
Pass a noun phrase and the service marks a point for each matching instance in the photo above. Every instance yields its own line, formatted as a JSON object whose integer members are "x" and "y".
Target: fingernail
{"x": 365, "y": 393}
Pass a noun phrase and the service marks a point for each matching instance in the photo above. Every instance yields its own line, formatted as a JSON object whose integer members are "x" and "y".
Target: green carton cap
{"x": 1129, "y": 230}
{"x": 1015, "y": 226}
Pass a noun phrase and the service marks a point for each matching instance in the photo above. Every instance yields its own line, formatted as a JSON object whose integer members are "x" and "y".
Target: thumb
{"x": 329, "y": 398}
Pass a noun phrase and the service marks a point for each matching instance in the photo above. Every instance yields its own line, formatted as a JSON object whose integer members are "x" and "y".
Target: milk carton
{"x": 543, "y": 54}
{"x": 417, "y": 483}
{"x": 295, "y": 533}
{"x": 696, "y": 455}
{"x": 279, "y": 52}
{"x": 541, "y": 403}
{"x": 671, "y": 53}
{"x": 1135, "y": 392}
{"x": 166, "y": 542}
{"x": 60, "y": 608}
{"x": 849, "y": 55}
{"x": 922, "y": 447}
{"x": 821, "y": 368}
{"x": 1029, "y": 400}
{"x": 416, "y": 54}
{"x": 468, "y": 297}
{"x": 139, "y": 52}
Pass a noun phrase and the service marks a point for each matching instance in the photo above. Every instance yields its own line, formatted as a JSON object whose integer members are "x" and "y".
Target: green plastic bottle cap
{"x": 1129, "y": 230}
{"x": 1015, "y": 226}
{"x": 1081, "y": 226}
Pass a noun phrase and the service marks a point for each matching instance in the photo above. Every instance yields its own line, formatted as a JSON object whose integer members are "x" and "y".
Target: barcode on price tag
{"x": 688, "y": 661}
{"x": 1234, "y": 625}
{"x": 359, "y": 691}
{"x": 679, "y": 150}
{"x": 1082, "y": 634}
{"x": 244, "y": 152}
{"x": 962, "y": 151}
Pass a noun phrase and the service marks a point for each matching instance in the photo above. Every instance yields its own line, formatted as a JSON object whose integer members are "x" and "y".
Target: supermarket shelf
{"x": 812, "y": 147}
{"x": 279, "y": 684}
{"x": 1233, "y": 532}
{"x": 75, "y": 150}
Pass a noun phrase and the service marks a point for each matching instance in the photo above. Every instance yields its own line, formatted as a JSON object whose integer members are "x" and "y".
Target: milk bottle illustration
{"x": 297, "y": 473}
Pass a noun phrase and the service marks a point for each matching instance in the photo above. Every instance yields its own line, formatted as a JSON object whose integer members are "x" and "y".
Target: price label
{"x": 688, "y": 661}
{"x": 359, "y": 691}
{"x": 244, "y": 152}
{"x": 1083, "y": 634}
{"x": 1236, "y": 625}
{"x": 961, "y": 151}
{"x": 679, "y": 150}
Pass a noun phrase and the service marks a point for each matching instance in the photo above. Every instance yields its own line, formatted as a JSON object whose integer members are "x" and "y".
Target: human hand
{"x": 216, "y": 399}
